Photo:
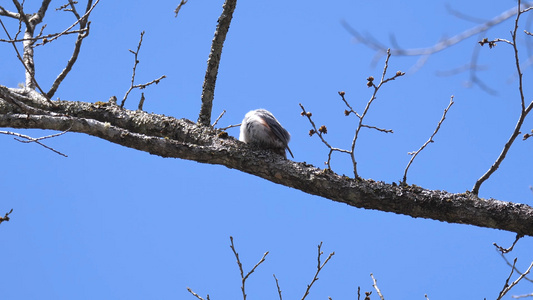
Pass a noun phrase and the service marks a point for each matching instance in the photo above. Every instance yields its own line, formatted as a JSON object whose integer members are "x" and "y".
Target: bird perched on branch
{"x": 260, "y": 128}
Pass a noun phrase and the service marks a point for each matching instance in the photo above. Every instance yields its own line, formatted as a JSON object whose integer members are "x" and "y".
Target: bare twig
{"x": 430, "y": 140}
{"x": 213, "y": 62}
{"x": 219, "y": 117}
{"x": 84, "y": 32}
{"x": 320, "y": 132}
{"x": 231, "y": 126}
{"x": 138, "y": 86}
{"x": 243, "y": 277}
{"x": 177, "y": 10}
{"x": 196, "y": 295}
{"x": 375, "y": 285}
{"x": 370, "y": 83}
{"x": 507, "y": 250}
{"x": 507, "y": 287}
{"x": 277, "y": 285}
{"x": 45, "y": 38}
{"x": 29, "y": 139}
{"x": 515, "y": 268}
{"x": 318, "y": 269}
{"x": 323, "y": 130}
{"x": 524, "y": 111}
{"x": 141, "y": 102}
{"x": 6, "y": 218}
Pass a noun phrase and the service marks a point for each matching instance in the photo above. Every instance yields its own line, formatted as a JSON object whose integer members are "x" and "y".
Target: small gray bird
{"x": 259, "y": 127}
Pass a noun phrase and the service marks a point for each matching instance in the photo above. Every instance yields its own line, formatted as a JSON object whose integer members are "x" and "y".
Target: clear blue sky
{"x": 114, "y": 223}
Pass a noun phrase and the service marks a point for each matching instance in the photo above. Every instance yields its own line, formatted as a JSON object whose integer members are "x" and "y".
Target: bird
{"x": 260, "y": 128}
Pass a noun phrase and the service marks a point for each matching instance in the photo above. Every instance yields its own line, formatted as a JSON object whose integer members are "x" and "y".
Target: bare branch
{"x": 220, "y": 116}
{"x": 84, "y": 32}
{"x": 177, "y": 10}
{"x": 370, "y": 83}
{"x": 430, "y": 140}
{"x": 375, "y": 285}
{"x": 138, "y": 86}
{"x": 323, "y": 130}
{"x": 277, "y": 285}
{"x": 208, "y": 89}
{"x": 320, "y": 132}
{"x": 513, "y": 267}
{"x": 36, "y": 140}
{"x": 7, "y": 13}
{"x": 507, "y": 250}
{"x": 243, "y": 277}
{"x": 170, "y": 137}
{"x": 318, "y": 268}
{"x": 231, "y": 126}
{"x": 6, "y": 218}
{"x": 28, "y": 66}
{"x": 507, "y": 287}
{"x": 196, "y": 295}
{"x": 524, "y": 112}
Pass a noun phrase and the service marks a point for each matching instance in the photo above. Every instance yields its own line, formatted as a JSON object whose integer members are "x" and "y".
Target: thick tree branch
{"x": 208, "y": 90}
{"x": 169, "y": 137}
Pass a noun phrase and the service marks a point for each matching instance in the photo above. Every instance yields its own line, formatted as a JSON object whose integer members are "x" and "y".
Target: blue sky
{"x": 114, "y": 223}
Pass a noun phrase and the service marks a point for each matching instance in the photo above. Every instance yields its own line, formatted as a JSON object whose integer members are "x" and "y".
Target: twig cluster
{"x": 244, "y": 277}
{"x": 29, "y": 40}
{"x": 523, "y": 275}
{"x": 322, "y": 130}
{"x": 138, "y": 86}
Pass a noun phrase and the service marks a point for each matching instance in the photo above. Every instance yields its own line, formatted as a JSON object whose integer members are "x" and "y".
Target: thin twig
{"x": 6, "y": 218}
{"x": 231, "y": 126}
{"x": 507, "y": 287}
{"x": 320, "y": 132}
{"x": 507, "y": 250}
{"x": 515, "y": 268}
{"x": 36, "y": 140}
{"x": 375, "y": 285}
{"x": 177, "y": 10}
{"x": 45, "y": 38}
{"x": 220, "y": 116}
{"x": 430, "y": 140}
{"x": 370, "y": 83}
{"x": 524, "y": 112}
{"x": 213, "y": 62}
{"x": 243, "y": 277}
{"x": 196, "y": 295}
{"x": 277, "y": 285}
{"x": 318, "y": 269}
{"x": 141, "y": 102}
{"x": 138, "y": 86}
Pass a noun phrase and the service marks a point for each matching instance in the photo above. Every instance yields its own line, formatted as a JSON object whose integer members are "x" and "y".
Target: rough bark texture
{"x": 180, "y": 138}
